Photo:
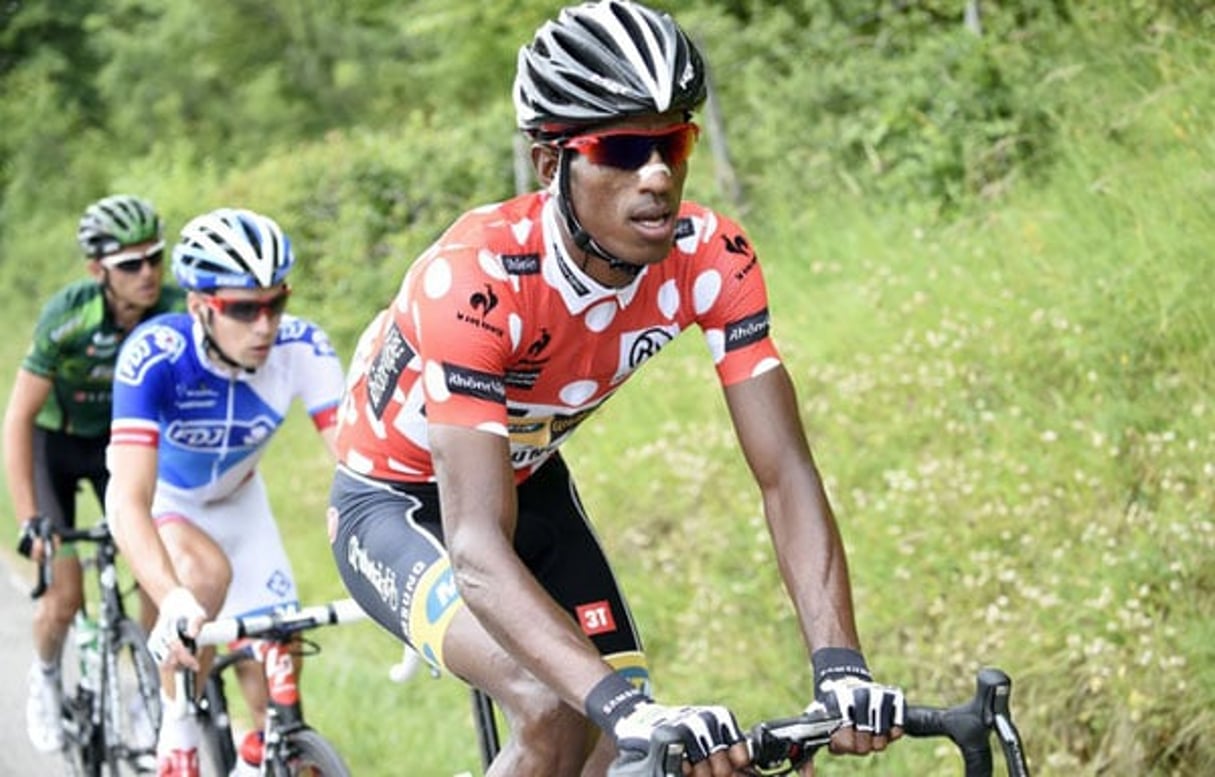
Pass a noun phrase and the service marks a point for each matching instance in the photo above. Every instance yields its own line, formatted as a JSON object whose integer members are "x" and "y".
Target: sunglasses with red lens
{"x": 131, "y": 262}
{"x": 250, "y": 310}
{"x": 629, "y": 149}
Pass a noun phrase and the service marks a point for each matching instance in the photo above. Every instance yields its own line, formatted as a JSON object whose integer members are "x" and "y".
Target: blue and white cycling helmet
{"x": 231, "y": 248}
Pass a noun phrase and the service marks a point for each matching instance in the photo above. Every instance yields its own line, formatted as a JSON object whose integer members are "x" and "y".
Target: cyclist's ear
{"x": 544, "y": 161}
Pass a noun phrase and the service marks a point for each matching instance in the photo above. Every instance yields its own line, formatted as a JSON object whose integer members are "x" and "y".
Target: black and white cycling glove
{"x": 631, "y": 718}
{"x": 843, "y": 684}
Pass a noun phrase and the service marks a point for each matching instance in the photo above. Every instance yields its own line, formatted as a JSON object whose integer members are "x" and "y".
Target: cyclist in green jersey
{"x": 57, "y": 424}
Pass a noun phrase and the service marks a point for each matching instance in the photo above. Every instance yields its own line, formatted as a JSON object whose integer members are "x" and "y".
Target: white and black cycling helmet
{"x": 600, "y": 62}
{"x": 234, "y": 249}
{"x": 115, "y": 222}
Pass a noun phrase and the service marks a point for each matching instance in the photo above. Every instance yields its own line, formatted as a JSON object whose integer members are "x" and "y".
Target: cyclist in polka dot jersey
{"x": 524, "y": 343}
{"x": 454, "y": 520}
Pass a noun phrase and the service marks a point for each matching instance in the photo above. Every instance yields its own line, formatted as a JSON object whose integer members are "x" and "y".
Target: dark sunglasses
{"x": 132, "y": 262}
{"x": 250, "y": 310}
{"x": 629, "y": 149}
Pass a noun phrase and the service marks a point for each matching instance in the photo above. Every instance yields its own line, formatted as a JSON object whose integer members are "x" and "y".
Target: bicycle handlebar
{"x": 780, "y": 745}
{"x": 279, "y": 625}
{"x": 46, "y": 533}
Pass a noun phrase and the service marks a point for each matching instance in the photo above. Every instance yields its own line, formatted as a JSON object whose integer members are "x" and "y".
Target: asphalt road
{"x": 17, "y": 757}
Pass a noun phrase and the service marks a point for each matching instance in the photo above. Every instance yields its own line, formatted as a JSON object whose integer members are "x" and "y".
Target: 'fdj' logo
{"x": 211, "y": 435}
{"x": 155, "y": 345}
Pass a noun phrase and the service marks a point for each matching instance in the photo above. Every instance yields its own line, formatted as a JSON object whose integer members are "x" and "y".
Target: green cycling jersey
{"x": 75, "y": 345}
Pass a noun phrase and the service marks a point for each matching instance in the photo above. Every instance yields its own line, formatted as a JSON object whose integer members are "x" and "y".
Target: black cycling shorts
{"x": 61, "y": 462}
{"x": 389, "y": 549}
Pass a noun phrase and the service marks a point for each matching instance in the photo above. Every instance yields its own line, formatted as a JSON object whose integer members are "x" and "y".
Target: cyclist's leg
{"x": 201, "y": 566}
{"x": 262, "y": 579}
{"x": 555, "y": 539}
{"x": 387, "y": 545}
{"x": 388, "y": 548}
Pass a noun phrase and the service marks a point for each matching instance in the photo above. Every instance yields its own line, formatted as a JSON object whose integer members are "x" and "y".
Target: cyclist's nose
{"x": 655, "y": 173}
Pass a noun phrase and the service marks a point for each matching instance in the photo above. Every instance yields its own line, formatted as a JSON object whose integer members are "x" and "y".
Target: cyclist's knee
{"x": 59, "y": 604}
{"x": 550, "y": 736}
{"x": 205, "y": 570}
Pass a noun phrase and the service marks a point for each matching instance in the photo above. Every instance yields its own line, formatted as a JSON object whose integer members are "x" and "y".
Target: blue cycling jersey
{"x": 210, "y": 426}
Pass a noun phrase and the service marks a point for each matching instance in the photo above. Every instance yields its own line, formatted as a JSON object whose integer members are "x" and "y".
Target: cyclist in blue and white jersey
{"x": 197, "y": 396}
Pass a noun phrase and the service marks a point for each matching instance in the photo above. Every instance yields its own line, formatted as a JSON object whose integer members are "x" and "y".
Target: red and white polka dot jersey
{"x": 495, "y": 328}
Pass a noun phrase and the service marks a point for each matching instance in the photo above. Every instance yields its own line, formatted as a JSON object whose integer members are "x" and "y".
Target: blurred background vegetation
{"x": 988, "y": 228}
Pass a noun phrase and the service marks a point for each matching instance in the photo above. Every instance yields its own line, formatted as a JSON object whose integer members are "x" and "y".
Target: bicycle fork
{"x": 284, "y": 712}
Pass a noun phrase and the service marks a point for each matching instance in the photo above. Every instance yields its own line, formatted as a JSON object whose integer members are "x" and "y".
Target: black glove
{"x": 31, "y": 529}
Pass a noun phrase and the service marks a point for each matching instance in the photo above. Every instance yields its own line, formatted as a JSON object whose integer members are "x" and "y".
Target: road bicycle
{"x": 292, "y": 748}
{"x": 780, "y": 746}
{"x": 111, "y": 709}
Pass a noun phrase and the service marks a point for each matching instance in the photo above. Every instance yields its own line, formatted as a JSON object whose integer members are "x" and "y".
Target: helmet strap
{"x": 213, "y": 347}
{"x": 578, "y": 234}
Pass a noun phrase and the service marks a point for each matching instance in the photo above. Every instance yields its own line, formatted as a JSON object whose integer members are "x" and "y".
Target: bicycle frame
{"x": 269, "y": 639}
{"x": 284, "y": 711}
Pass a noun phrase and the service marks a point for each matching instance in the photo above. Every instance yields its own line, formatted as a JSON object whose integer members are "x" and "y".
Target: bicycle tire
{"x": 218, "y": 750}
{"x": 310, "y": 755}
{"x": 83, "y": 751}
{"x": 131, "y": 680}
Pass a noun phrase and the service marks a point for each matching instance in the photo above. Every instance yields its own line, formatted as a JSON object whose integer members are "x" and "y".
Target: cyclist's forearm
{"x": 813, "y": 563}
{"x": 511, "y": 605}
{"x": 19, "y": 465}
{"x": 139, "y": 542}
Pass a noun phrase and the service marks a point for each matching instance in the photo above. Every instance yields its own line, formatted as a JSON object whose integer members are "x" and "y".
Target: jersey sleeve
{"x": 732, "y": 301}
{"x": 142, "y": 378}
{"x": 316, "y": 369}
{"x": 459, "y": 309}
{"x": 42, "y": 358}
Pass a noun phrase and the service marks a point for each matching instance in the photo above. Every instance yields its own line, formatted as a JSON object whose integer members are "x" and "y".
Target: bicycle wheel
{"x": 132, "y": 698}
{"x": 82, "y": 753}
{"x": 309, "y": 755}
{"x": 217, "y": 752}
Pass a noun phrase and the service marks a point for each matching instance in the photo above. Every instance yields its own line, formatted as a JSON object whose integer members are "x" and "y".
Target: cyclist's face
{"x": 134, "y": 273}
{"x": 630, "y": 211}
{"x": 243, "y": 322}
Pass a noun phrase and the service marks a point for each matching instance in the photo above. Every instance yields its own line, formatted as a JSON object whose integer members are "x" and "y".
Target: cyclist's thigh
{"x": 388, "y": 548}
{"x": 555, "y": 539}
{"x": 60, "y": 462}
{"x": 240, "y": 529}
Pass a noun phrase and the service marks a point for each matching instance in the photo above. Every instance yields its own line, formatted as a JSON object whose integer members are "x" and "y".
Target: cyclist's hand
{"x": 872, "y": 713}
{"x": 177, "y": 607}
{"x": 713, "y": 743}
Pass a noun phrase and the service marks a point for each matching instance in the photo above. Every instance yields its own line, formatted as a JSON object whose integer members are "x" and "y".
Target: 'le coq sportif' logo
{"x": 484, "y": 301}
{"x": 481, "y": 302}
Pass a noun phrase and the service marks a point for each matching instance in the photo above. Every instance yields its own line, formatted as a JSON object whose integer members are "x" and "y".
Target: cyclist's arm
{"x": 477, "y": 492}
{"x": 29, "y": 393}
{"x": 129, "y": 510}
{"x": 807, "y": 542}
{"x": 329, "y": 437}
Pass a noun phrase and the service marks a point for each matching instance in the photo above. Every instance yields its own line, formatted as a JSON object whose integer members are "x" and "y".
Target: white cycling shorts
{"x": 243, "y": 525}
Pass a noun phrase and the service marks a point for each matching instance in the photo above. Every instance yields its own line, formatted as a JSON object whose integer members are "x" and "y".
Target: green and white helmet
{"x": 114, "y": 222}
